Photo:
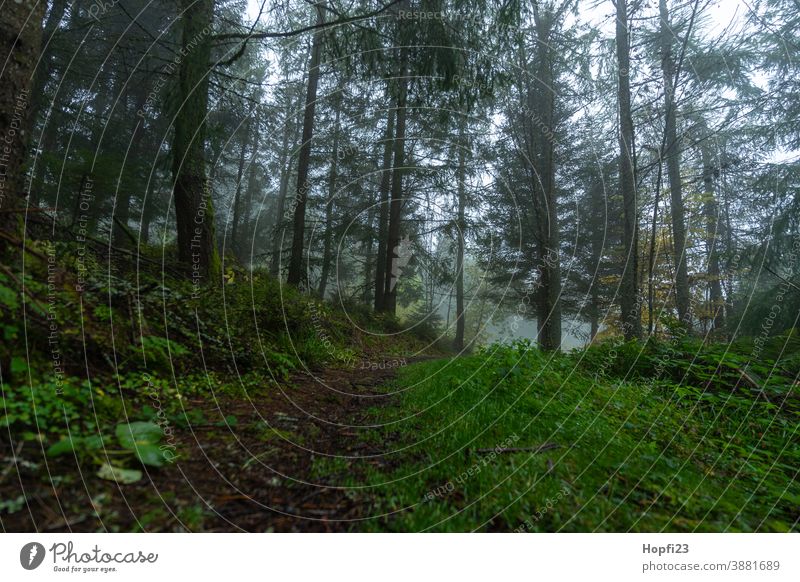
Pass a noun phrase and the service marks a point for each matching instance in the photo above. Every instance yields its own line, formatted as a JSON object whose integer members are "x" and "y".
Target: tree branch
{"x": 309, "y": 28}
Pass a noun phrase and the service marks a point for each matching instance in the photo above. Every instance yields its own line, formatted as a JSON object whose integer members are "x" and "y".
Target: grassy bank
{"x": 590, "y": 443}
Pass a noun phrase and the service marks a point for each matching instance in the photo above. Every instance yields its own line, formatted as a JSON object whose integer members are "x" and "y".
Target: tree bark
{"x": 283, "y": 188}
{"x": 194, "y": 209}
{"x": 332, "y": 177}
{"x": 458, "y": 342}
{"x": 672, "y": 156}
{"x": 598, "y": 220}
{"x": 396, "y": 204}
{"x": 629, "y": 287}
{"x": 252, "y": 184}
{"x": 295, "y": 276}
{"x": 549, "y": 297}
{"x": 122, "y": 204}
{"x": 383, "y": 217}
{"x": 147, "y": 214}
{"x": 368, "y": 295}
{"x": 651, "y": 259}
{"x": 711, "y": 212}
{"x": 238, "y": 193}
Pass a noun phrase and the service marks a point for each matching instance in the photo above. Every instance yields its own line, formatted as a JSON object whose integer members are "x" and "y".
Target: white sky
{"x": 721, "y": 12}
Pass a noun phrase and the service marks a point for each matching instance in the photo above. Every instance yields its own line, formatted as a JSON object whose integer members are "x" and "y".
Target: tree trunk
{"x": 395, "y": 207}
{"x": 147, "y": 215}
{"x": 651, "y": 260}
{"x": 277, "y": 237}
{"x": 629, "y": 291}
{"x": 369, "y": 244}
{"x": 332, "y": 177}
{"x": 458, "y": 342}
{"x": 549, "y": 299}
{"x": 383, "y": 216}
{"x": 122, "y": 203}
{"x": 672, "y": 156}
{"x": 252, "y": 183}
{"x": 730, "y": 267}
{"x": 295, "y": 275}
{"x": 194, "y": 210}
{"x": 597, "y": 217}
{"x": 238, "y": 193}
{"x": 711, "y": 212}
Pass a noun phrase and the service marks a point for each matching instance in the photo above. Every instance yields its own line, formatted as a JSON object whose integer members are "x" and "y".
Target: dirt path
{"x": 276, "y": 469}
{"x": 279, "y": 469}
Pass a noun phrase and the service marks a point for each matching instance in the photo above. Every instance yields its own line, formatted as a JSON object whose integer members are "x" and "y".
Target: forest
{"x": 400, "y": 265}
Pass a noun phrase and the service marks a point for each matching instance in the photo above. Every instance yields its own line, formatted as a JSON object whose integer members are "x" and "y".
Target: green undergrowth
{"x": 97, "y": 346}
{"x": 619, "y": 451}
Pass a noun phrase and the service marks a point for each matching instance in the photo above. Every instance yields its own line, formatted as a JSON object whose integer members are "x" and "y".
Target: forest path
{"x": 277, "y": 468}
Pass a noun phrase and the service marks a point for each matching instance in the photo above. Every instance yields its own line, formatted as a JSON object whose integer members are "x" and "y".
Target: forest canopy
{"x": 232, "y": 195}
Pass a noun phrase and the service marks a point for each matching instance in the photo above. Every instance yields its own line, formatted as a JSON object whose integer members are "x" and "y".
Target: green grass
{"x": 634, "y": 455}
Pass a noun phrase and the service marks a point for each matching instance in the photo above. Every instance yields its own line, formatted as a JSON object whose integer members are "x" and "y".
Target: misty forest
{"x": 400, "y": 265}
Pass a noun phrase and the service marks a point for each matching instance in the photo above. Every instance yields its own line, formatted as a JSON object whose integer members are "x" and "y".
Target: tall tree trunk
{"x": 651, "y": 259}
{"x": 147, "y": 215}
{"x": 238, "y": 193}
{"x": 245, "y": 213}
{"x": 395, "y": 206}
{"x": 332, "y": 177}
{"x": 194, "y": 210}
{"x": 730, "y": 267}
{"x": 369, "y": 245}
{"x": 458, "y": 342}
{"x": 711, "y": 212}
{"x": 629, "y": 292}
{"x": 672, "y": 156}
{"x": 295, "y": 275}
{"x": 283, "y": 187}
{"x": 122, "y": 202}
{"x": 549, "y": 297}
{"x": 597, "y": 217}
{"x": 383, "y": 216}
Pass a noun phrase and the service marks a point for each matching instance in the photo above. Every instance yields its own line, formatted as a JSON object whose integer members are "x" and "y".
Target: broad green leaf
{"x": 150, "y": 455}
{"x": 64, "y": 446}
{"x": 93, "y": 443}
{"x": 121, "y": 476}
{"x": 138, "y": 433}
{"x": 71, "y": 444}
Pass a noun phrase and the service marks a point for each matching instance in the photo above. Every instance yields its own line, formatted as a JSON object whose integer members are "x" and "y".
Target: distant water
{"x": 573, "y": 334}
